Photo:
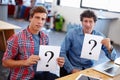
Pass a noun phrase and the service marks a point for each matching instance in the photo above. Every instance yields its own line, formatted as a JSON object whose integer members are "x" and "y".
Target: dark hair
{"x": 88, "y": 14}
{"x": 38, "y": 9}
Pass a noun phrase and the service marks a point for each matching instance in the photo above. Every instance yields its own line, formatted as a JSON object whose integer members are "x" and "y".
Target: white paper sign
{"x": 91, "y": 47}
{"x": 48, "y": 56}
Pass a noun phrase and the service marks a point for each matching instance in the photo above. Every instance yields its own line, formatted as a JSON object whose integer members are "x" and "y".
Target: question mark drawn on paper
{"x": 95, "y": 43}
{"x": 52, "y": 54}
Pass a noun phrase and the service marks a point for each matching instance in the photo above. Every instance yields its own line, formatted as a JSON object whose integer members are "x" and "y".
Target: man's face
{"x": 88, "y": 25}
{"x": 37, "y": 21}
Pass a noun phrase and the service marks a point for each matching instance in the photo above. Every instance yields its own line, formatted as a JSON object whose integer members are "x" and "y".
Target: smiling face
{"x": 88, "y": 20}
{"x": 37, "y": 21}
{"x": 88, "y": 25}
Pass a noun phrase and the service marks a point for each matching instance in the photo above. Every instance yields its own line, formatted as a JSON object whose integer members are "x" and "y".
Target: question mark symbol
{"x": 52, "y": 54}
{"x": 95, "y": 43}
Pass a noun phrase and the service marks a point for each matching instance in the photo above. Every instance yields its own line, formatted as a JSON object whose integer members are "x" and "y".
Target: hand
{"x": 106, "y": 42}
{"x": 75, "y": 70}
{"x": 61, "y": 61}
{"x": 33, "y": 59}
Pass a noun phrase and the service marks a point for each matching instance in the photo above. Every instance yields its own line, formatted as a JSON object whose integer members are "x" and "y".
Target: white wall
{"x": 73, "y": 15}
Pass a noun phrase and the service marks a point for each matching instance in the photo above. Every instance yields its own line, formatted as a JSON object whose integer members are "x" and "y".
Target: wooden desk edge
{"x": 8, "y": 26}
{"x": 89, "y": 72}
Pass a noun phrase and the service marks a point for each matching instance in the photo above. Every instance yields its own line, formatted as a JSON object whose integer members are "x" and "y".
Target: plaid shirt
{"x": 21, "y": 47}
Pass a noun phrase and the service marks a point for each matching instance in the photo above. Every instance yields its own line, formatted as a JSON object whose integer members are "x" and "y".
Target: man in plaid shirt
{"x": 21, "y": 55}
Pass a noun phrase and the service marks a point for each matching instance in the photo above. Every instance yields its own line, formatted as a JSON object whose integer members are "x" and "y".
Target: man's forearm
{"x": 10, "y": 63}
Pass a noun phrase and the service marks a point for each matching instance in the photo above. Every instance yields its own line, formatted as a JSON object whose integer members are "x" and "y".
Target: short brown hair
{"x": 38, "y": 9}
{"x": 88, "y": 14}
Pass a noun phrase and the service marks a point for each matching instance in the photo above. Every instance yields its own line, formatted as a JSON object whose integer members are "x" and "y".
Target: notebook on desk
{"x": 108, "y": 68}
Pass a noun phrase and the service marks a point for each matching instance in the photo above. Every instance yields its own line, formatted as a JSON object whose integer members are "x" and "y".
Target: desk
{"x": 6, "y": 30}
{"x": 89, "y": 72}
